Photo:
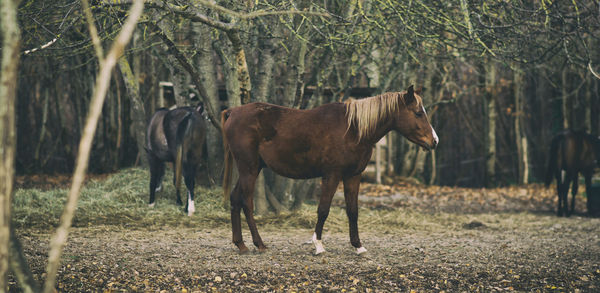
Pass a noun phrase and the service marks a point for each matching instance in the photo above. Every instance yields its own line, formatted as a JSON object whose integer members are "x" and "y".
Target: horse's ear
{"x": 409, "y": 97}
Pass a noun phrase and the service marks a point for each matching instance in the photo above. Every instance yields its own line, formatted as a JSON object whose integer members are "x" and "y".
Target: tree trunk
{"x": 177, "y": 72}
{"x": 565, "y": 98}
{"x": 588, "y": 101}
{"x": 260, "y": 93}
{"x": 205, "y": 64}
{"x": 138, "y": 114}
{"x": 232, "y": 82}
{"x": 491, "y": 113}
{"x": 520, "y": 138}
{"x": 8, "y": 91}
{"x": 241, "y": 66}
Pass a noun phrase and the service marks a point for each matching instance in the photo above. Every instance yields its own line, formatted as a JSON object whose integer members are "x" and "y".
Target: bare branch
{"x": 592, "y": 70}
{"x": 59, "y": 238}
{"x": 193, "y": 14}
{"x": 44, "y": 46}
{"x": 93, "y": 31}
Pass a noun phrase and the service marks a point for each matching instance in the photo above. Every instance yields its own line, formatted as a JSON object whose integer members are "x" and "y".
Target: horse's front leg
{"x": 351, "y": 186}
{"x": 329, "y": 184}
{"x": 560, "y": 188}
{"x": 574, "y": 190}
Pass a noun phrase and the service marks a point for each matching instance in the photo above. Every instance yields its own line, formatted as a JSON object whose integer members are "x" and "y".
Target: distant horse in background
{"x": 333, "y": 141}
{"x": 571, "y": 153}
{"x": 176, "y": 136}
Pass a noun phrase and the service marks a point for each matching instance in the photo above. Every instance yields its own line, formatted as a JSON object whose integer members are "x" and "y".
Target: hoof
{"x": 262, "y": 250}
{"x": 151, "y": 205}
{"x": 318, "y": 245}
{"x": 242, "y": 247}
{"x": 361, "y": 250}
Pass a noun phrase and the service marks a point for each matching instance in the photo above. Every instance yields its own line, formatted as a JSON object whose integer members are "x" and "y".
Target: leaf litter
{"x": 441, "y": 239}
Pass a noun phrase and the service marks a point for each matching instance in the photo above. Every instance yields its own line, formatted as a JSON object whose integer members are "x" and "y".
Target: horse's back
{"x": 294, "y": 143}
{"x": 576, "y": 151}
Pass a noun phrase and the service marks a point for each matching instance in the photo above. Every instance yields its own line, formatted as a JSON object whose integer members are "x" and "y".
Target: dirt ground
{"x": 491, "y": 251}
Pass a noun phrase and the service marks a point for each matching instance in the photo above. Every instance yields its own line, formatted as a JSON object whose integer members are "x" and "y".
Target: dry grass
{"x": 121, "y": 200}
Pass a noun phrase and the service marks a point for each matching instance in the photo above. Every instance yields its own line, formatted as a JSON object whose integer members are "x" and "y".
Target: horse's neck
{"x": 382, "y": 128}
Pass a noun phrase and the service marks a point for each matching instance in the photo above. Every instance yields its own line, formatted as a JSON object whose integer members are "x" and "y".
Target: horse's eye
{"x": 419, "y": 114}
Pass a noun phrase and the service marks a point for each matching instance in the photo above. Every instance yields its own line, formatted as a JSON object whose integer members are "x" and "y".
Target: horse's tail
{"x": 182, "y": 132}
{"x": 552, "y": 159}
{"x": 228, "y": 159}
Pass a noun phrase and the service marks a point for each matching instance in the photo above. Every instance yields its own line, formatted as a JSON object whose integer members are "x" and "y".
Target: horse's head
{"x": 412, "y": 120}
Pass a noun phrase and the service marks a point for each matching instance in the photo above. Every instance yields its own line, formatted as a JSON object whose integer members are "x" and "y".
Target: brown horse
{"x": 176, "y": 136}
{"x": 333, "y": 141}
{"x": 571, "y": 153}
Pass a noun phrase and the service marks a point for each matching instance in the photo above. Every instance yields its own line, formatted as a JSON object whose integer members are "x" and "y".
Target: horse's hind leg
{"x": 236, "y": 224}
{"x": 247, "y": 189}
{"x": 574, "y": 190}
{"x": 562, "y": 187}
{"x": 157, "y": 171}
{"x": 588, "y": 189}
{"x": 177, "y": 193}
{"x": 189, "y": 175}
{"x": 328, "y": 187}
{"x": 351, "y": 186}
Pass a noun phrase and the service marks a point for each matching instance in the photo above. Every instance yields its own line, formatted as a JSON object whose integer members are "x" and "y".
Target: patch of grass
{"x": 120, "y": 199}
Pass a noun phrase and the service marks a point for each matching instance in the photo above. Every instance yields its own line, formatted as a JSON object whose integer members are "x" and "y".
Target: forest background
{"x": 500, "y": 78}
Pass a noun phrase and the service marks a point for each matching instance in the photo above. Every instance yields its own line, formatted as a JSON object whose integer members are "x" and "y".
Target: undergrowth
{"x": 121, "y": 199}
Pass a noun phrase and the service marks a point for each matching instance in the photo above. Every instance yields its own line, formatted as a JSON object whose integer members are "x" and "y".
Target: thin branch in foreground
{"x": 592, "y": 70}
{"x": 59, "y": 238}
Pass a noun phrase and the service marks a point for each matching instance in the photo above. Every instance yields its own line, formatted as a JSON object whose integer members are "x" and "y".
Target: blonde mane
{"x": 366, "y": 113}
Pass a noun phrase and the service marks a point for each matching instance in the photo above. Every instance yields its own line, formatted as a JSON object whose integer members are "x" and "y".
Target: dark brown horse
{"x": 333, "y": 141}
{"x": 176, "y": 136}
{"x": 571, "y": 153}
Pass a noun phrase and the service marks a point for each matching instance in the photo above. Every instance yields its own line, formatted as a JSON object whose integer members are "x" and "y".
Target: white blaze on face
{"x": 191, "y": 208}
{"x": 435, "y": 137}
{"x": 318, "y": 245}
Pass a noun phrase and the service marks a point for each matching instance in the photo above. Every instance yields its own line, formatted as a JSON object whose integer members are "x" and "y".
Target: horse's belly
{"x": 290, "y": 163}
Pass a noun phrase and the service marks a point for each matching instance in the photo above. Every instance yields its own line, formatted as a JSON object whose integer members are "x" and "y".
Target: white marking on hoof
{"x": 159, "y": 188}
{"x": 191, "y": 208}
{"x": 361, "y": 250}
{"x": 318, "y": 245}
{"x": 151, "y": 205}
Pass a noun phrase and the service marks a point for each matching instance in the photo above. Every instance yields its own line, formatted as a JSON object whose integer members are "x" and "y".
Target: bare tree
{"x": 8, "y": 87}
